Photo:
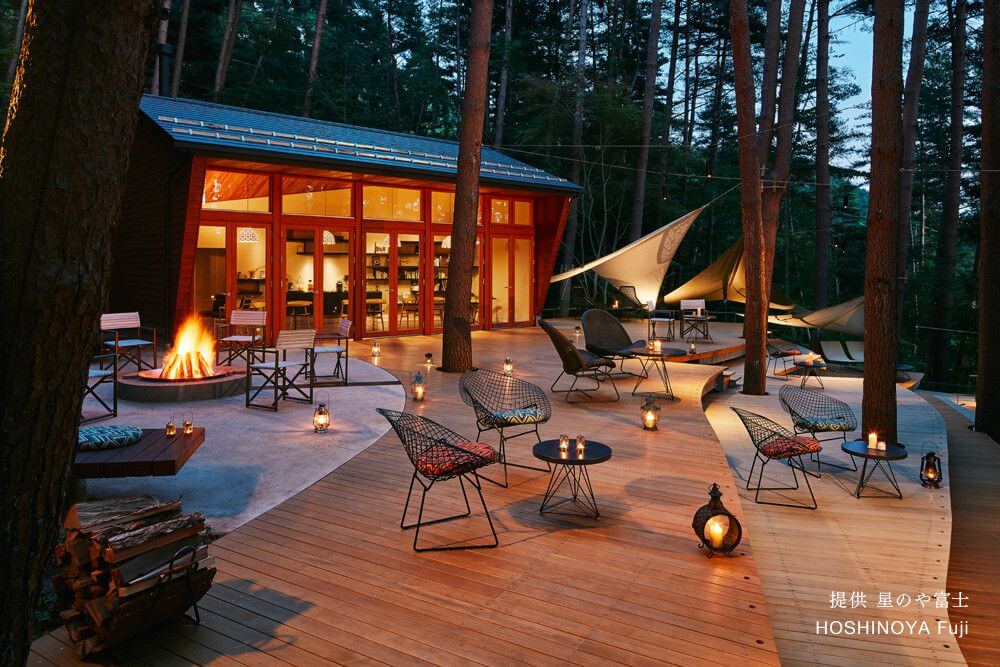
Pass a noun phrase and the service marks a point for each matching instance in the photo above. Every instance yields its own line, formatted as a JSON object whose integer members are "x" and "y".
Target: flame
{"x": 192, "y": 354}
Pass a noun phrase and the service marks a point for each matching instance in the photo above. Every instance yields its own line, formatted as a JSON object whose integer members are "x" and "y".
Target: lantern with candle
{"x": 692, "y": 348}
{"x": 376, "y": 349}
{"x": 321, "y": 418}
{"x": 508, "y": 366}
{"x": 650, "y": 414}
{"x": 930, "y": 470}
{"x": 564, "y": 443}
{"x": 429, "y": 360}
{"x": 171, "y": 429}
{"x": 189, "y": 424}
{"x": 419, "y": 386}
{"x": 577, "y": 331}
{"x": 581, "y": 443}
{"x": 657, "y": 345}
{"x": 873, "y": 440}
{"x": 716, "y": 527}
{"x": 614, "y": 304}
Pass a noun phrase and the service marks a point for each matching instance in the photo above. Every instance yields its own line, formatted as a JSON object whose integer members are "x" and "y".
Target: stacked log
{"x": 128, "y": 564}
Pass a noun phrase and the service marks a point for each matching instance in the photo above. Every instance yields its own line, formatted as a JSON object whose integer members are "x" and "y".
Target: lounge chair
{"x": 337, "y": 343}
{"x": 289, "y": 380}
{"x": 439, "y": 454}
{"x": 629, "y": 305}
{"x": 856, "y": 350}
{"x": 814, "y": 413}
{"x": 579, "y": 364}
{"x": 779, "y": 352}
{"x": 693, "y": 323}
{"x": 606, "y": 337}
{"x": 833, "y": 352}
{"x": 115, "y": 329}
{"x": 773, "y": 441}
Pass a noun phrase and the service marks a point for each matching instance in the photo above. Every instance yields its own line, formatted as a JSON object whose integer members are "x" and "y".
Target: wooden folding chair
{"x": 288, "y": 380}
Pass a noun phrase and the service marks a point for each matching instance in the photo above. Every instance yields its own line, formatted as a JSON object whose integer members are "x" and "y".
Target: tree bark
{"x": 18, "y": 33}
{"x": 508, "y": 20}
{"x": 824, "y": 203}
{"x": 573, "y": 216}
{"x": 457, "y": 340}
{"x": 769, "y": 81}
{"x": 259, "y": 64}
{"x": 226, "y": 48}
{"x": 161, "y": 38}
{"x": 879, "y": 400}
{"x": 911, "y": 103}
{"x": 314, "y": 57}
{"x": 944, "y": 298}
{"x": 175, "y": 81}
{"x": 63, "y": 163}
{"x": 750, "y": 199}
{"x": 988, "y": 366}
{"x": 649, "y": 92}
{"x": 668, "y": 114}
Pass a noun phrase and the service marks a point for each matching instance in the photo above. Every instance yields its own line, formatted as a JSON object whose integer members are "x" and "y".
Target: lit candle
{"x": 418, "y": 392}
{"x": 649, "y": 420}
{"x": 429, "y": 359}
{"x": 376, "y": 348}
{"x": 881, "y": 445}
{"x": 508, "y": 366}
{"x": 580, "y": 443}
{"x": 563, "y": 443}
{"x": 657, "y": 345}
{"x": 171, "y": 429}
{"x": 716, "y": 532}
{"x": 872, "y": 440}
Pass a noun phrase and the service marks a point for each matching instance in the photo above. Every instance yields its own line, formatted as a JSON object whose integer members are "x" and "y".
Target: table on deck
{"x": 154, "y": 455}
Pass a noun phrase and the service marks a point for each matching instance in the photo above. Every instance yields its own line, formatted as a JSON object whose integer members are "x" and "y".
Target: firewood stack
{"x": 114, "y": 573}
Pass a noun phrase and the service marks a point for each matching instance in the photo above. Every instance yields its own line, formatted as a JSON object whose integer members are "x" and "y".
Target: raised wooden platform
{"x": 153, "y": 455}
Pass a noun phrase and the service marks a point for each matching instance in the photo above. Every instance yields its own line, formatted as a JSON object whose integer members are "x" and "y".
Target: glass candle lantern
{"x": 614, "y": 304}
{"x": 508, "y": 366}
{"x": 657, "y": 345}
{"x": 563, "y": 443}
{"x": 321, "y": 419}
{"x": 188, "y": 425}
{"x": 930, "y": 471}
{"x": 577, "y": 331}
{"x": 428, "y": 360}
{"x": 650, "y": 414}
{"x": 581, "y": 442}
{"x": 692, "y": 348}
{"x": 171, "y": 429}
{"x": 376, "y": 349}
{"x": 717, "y": 529}
{"x": 419, "y": 387}
{"x": 873, "y": 440}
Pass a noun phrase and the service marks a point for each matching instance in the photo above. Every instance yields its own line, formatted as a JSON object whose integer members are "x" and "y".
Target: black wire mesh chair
{"x": 579, "y": 364}
{"x": 814, "y": 412}
{"x": 606, "y": 337}
{"x": 629, "y": 305}
{"x": 438, "y": 455}
{"x": 501, "y": 403}
{"x": 773, "y": 441}
{"x": 777, "y": 352}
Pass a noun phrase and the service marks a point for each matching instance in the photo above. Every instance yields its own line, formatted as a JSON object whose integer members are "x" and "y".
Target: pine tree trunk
{"x": 63, "y": 162}
{"x": 649, "y": 92}
{"x": 911, "y": 103}
{"x": 879, "y": 400}
{"x": 504, "y": 66}
{"x": 824, "y": 204}
{"x": 668, "y": 114}
{"x": 259, "y": 64}
{"x": 755, "y": 323}
{"x": 944, "y": 265}
{"x": 175, "y": 82}
{"x": 314, "y": 57}
{"x": 573, "y": 217}
{"x": 161, "y": 38}
{"x": 769, "y": 81}
{"x": 226, "y": 48}
{"x": 988, "y": 368}
{"x": 457, "y": 341}
{"x": 18, "y": 33}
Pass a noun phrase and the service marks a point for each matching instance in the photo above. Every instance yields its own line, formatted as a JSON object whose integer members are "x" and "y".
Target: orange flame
{"x": 192, "y": 354}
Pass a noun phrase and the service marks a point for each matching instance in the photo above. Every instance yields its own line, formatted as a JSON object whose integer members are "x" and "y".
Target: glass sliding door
{"x": 439, "y": 279}
{"x": 376, "y": 284}
{"x": 251, "y": 268}
{"x": 209, "y": 290}
{"x": 336, "y": 270}
{"x": 521, "y": 272}
{"x": 300, "y": 277}
{"x": 500, "y": 280}
{"x": 407, "y": 287}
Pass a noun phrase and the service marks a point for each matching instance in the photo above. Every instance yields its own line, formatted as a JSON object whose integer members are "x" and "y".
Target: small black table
{"x": 571, "y": 468}
{"x": 657, "y": 360}
{"x": 809, "y": 370}
{"x": 880, "y": 459}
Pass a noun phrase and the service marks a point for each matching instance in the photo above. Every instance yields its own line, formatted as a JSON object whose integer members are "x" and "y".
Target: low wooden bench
{"x": 153, "y": 455}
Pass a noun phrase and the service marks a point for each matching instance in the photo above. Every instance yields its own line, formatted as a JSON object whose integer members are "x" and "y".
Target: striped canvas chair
{"x": 97, "y": 377}
{"x": 289, "y": 380}
{"x": 244, "y": 337}
{"x": 124, "y": 335}
{"x": 336, "y": 343}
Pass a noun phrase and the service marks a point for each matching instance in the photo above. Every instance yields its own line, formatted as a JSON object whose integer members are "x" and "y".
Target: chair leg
{"x": 425, "y": 489}
{"x": 760, "y": 480}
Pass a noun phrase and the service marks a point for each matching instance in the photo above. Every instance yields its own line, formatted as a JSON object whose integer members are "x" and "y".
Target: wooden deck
{"x": 328, "y": 576}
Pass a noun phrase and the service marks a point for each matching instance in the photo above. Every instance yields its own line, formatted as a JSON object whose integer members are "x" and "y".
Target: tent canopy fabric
{"x": 724, "y": 280}
{"x": 846, "y": 318}
{"x": 642, "y": 263}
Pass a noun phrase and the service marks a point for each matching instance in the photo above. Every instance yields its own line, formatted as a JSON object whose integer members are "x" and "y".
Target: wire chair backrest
{"x": 628, "y": 291}
{"x": 428, "y": 445}
{"x": 809, "y": 404}
{"x": 488, "y": 392}
{"x": 603, "y": 332}
{"x": 761, "y": 429}
{"x": 572, "y": 360}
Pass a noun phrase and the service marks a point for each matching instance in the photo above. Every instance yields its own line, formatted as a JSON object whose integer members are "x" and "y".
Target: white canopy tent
{"x": 643, "y": 263}
{"x": 846, "y": 318}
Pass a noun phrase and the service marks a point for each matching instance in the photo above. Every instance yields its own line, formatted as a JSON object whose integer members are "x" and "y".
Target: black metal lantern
{"x": 321, "y": 418}
{"x": 718, "y": 530}
{"x": 930, "y": 470}
{"x": 650, "y": 414}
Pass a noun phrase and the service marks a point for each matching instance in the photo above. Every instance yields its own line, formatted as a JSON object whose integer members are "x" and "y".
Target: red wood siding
{"x": 550, "y": 222}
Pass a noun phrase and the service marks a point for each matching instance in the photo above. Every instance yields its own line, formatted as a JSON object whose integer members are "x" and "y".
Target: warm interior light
{"x": 192, "y": 353}
{"x": 716, "y": 529}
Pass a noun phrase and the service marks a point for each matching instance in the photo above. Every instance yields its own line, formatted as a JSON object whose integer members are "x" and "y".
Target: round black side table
{"x": 881, "y": 461}
{"x": 570, "y": 468}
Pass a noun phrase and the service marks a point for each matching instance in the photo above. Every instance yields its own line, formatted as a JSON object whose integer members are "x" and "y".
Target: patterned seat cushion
{"x": 130, "y": 342}
{"x": 814, "y": 424}
{"x": 94, "y": 373}
{"x": 443, "y": 461}
{"x": 328, "y": 348}
{"x": 93, "y": 438}
{"x": 784, "y": 447}
{"x": 239, "y": 338}
{"x": 515, "y": 417}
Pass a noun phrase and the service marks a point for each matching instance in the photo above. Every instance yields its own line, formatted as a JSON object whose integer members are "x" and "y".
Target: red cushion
{"x": 441, "y": 461}
{"x": 783, "y": 447}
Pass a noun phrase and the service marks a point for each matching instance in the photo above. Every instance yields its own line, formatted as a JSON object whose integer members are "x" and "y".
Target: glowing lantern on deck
{"x": 419, "y": 387}
{"x": 650, "y": 414}
{"x": 508, "y": 366}
{"x": 718, "y": 530}
{"x": 321, "y": 418}
{"x": 930, "y": 470}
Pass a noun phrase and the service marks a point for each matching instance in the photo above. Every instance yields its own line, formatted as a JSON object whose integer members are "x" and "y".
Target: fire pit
{"x": 188, "y": 372}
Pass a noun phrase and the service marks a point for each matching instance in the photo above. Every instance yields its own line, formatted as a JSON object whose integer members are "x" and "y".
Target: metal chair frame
{"x": 488, "y": 392}
{"x": 605, "y": 336}
{"x": 278, "y": 378}
{"x": 341, "y": 347}
{"x": 802, "y": 403}
{"x": 112, "y": 324}
{"x": 578, "y": 364}
{"x": 698, "y": 326}
{"x": 761, "y": 431}
{"x": 248, "y": 322}
{"x": 425, "y": 440}
{"x": 775, "y": 353}
{"x": 90, "y": 389}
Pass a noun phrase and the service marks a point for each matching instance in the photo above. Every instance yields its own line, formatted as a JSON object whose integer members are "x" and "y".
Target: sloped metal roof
{"x": 201, "y": 125}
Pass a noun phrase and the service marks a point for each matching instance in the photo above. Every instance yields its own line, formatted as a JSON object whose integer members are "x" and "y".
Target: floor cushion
{"x": 108, "y": 436}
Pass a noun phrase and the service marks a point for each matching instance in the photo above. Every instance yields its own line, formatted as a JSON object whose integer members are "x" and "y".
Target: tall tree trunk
{"x": 879, "y": 399}
{"x": 226, "y": 48}
{"x": 668, "y": 114}
{"x": 911, "y": 103}
{"x": 988, "y": 366}
{"x": 262, "y": 52}
{"x": 18, "y": 32}
{"x": 573, "y": 217}
{"x": 161, "y": 38}
{"x": 508, "y": 20}
{"x": 769, "y": 81}
{"x": 648, "y": 96}
{"x": 750, "y": 199}
{"x": 175, "y": 81}
{"x": 456, "y": 350}
{"x": 824, "y": 204}
{"x": 314, "y": 57}
{"x": 944, "y": 268}
{"x": 63, "y": 163}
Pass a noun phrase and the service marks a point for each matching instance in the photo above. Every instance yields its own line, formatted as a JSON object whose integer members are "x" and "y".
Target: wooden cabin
{"x": 309, "y": 220}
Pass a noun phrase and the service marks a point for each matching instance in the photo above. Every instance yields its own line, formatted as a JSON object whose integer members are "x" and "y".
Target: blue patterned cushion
{"x": 107, "y": 437}
{"x": 516, "y": 416}
{"x": 822, "y": 423}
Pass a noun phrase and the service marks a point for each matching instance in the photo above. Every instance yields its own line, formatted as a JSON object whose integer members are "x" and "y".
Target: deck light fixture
{"x": 321, "y": 418}
{"x": 508, "y": 366}
{"x": 650, "y": 414}
{"x": 419, "y": 387}
{"x": 429, "y": 359}
{"x": 576, "y": 333}
{"x": 930, "y": 470}
{"x": 718, "y": 530}
{"x": 376, "y": 349}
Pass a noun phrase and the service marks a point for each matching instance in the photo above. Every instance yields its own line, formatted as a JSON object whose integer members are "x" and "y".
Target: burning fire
{"x": 192, "y": 354}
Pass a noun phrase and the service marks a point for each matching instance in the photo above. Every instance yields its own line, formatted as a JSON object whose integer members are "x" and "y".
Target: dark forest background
{"x": 397, "y": 64}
